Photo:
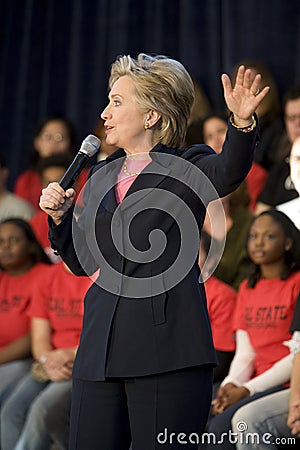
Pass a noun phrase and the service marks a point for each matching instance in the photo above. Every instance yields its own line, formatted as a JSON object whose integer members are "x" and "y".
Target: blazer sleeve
{"x": 228, "y": 169}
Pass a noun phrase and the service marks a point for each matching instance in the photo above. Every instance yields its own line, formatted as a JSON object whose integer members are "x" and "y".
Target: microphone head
{"x": 90, "y": 145}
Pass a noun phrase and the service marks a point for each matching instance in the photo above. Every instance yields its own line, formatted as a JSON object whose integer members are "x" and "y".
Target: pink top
{"x": 124, "y": 180}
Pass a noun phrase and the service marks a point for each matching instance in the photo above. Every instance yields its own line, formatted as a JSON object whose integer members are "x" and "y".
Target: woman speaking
{"x": 143, "y": 370}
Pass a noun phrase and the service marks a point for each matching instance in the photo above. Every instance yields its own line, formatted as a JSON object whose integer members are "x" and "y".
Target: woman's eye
{"x": 270, "y": 236}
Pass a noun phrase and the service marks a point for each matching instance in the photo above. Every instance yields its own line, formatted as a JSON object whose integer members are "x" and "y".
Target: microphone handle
{"x": 74, "y": 170}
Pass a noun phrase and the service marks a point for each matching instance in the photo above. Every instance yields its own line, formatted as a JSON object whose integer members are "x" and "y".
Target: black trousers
{"x": 162, "y": 411}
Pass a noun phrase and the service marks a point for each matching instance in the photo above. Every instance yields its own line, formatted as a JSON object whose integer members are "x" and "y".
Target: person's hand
{"x": 228, "y": 395}
{"x": 56, "y": 202}
{"x": 234, "y": 395}
{"x": 59, "y": 364}
{"x": 220, "y": 403}
{"x": 293, "y": 420}
{"x": 243, "y": 99}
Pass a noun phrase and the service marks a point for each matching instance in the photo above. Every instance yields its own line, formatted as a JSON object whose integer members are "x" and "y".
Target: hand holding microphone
{"x": 57, "y": 198}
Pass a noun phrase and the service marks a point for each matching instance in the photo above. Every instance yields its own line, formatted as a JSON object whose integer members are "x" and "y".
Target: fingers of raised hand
{"x": 259, "y": 95}
{"x": 247, "y": 82}
{"x": 239, "y": 81}
{"x": 254, "y": 86}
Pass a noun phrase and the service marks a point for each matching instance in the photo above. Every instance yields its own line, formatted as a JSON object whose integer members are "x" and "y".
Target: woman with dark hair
{"x": 22, "y": 261}
{"x": 264, "y": 310}
{"x": 54, "y": 135}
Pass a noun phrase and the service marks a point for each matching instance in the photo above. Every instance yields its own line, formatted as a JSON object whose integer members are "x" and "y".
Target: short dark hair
{"x": 291, "y": 94}
{"x": 58, "y": 160}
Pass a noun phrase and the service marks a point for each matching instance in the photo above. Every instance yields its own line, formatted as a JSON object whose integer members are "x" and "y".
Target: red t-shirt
{"x": 266, "y": 312}
{"x": 15, "y": 296}
{"x": 39, "y": 223}
{"x": 59, "y": 299}
{"x": 221, "y": 302}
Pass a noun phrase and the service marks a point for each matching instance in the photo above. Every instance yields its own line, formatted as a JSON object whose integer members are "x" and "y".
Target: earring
{"x": 147, "y": 125}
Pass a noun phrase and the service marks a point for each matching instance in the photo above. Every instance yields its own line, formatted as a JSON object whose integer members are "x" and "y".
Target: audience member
{"x": 279, "y": 188}
{"x": 56, "y": 318}
{"x": 266, "y": 300}
{"x": 11, "y": 205}
{"x": 292, "y": 207}
{"x": 279, "y": 413}
{"x": 22, "y": 260}
{"x": 54, "y": 135}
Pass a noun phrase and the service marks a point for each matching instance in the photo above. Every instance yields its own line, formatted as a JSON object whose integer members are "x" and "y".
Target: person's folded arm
{"x": 277, "y": 375}
{"x": 242, "y": 365}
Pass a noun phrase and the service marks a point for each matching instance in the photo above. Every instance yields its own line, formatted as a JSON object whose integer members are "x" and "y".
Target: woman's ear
{"x": 152, "y": 117}
{"x": 288, "y": 244}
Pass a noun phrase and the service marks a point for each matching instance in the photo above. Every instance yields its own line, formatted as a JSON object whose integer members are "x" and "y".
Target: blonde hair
{"x": 162, "y": 85}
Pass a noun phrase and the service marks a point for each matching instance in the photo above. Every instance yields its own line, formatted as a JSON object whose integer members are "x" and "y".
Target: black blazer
{"x": 147, "y": 312}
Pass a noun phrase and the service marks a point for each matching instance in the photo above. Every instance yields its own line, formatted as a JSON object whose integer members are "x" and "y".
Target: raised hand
{"x": 243, "y": 99}
{"x": 56, "y": 202}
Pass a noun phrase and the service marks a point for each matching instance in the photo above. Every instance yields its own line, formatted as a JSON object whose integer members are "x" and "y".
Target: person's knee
{"x": 37, "y": 411}
{"x": 9, "y": 413}
{"x": 245, "y": 418}
{"x": 237, "y": 418}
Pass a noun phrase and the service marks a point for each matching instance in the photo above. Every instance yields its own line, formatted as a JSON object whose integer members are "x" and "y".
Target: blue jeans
{"x": 219, "y": 428}
{"x": 265, "y": 419}
{"x": 23, "y": 415}
{"x": 10, "y": 374}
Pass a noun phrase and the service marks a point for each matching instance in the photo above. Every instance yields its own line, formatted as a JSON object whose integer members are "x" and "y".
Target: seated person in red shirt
{"x": 22, "y": 260}
{"x": 56, "y": 319}
{"x": 265, "y": 307}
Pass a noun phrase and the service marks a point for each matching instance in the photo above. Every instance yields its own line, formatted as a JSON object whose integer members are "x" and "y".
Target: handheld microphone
{"x": 90, "y": 145}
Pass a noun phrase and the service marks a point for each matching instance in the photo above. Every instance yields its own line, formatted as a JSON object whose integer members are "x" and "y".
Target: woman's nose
{"x": 105, "y": 114}
{"x": 259, "y": 241}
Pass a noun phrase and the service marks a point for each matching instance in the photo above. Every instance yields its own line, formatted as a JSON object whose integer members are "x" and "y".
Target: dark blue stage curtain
{"x": 55, "y": 55}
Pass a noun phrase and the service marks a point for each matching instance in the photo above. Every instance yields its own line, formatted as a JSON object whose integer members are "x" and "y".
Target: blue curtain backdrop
{"x": 55, "y": 55}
